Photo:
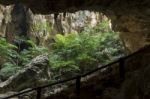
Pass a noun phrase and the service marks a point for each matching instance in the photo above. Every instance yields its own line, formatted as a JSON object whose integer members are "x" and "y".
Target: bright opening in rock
{"x": 68, "y": 43}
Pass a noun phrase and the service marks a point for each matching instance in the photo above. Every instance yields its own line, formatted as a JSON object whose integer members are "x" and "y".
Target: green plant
{"x": 8, "y": 56}
{"x": 11, "y": 61}
{"x": 8, "y": 70}
{"x": 70, "y": 54}
{"x": 7, "y": 52}
{"x": 85, "y": 51}
{"x": 40, "y": 27}
{"x": 27, "y": 55}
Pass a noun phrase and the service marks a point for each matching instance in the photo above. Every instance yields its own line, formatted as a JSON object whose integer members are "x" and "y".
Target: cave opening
{"x": 62, "y": 45}
{"x": 74, "y": 42}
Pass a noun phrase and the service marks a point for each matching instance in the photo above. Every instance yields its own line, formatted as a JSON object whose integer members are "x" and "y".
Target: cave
{"x": 128, "y": 17}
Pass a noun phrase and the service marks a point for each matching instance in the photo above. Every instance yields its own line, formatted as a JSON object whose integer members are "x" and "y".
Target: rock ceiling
{"x": 130, "y": 17}
{"x": 56, "y": 6}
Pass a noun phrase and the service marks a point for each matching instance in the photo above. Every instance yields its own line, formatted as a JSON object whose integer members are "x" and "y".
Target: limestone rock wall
{"x": 133, "y": 25}
{"x": 13, "y": 21}
{"x": 129, "y": 17}
{"x": 19, "y": 21}
{"x": 45, "y": 27}
{"x": 5, "y": 18}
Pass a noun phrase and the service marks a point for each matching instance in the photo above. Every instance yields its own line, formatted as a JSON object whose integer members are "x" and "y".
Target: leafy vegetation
{"x": 11, "y": 61}
{"x": 79, "y": 53}
{"x": 8, "y": 70}
{"x": 7, "y": 56}
{"x": 28, "y": 54}
{"x": 70, "y": 54}
{"x": 7, "y": 52}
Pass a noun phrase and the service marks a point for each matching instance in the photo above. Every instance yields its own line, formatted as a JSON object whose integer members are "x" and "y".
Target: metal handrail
{"x": 78, "y": 78}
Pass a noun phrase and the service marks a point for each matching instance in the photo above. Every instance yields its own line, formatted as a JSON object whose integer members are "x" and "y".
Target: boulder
{"x": 34, "y": 74}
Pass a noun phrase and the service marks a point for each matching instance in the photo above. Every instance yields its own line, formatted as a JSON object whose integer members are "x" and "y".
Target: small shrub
{"x": 27, "y": 55}
{"x": 8, "y": 70}
{"x": 82, "y": 52}
{"x": 7, "y": 52}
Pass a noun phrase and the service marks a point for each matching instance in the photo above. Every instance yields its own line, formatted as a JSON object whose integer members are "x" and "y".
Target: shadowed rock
{"x": 35, "y": 74}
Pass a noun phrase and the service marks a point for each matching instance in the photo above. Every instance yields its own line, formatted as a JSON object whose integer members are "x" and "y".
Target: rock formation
{"x": 129, "y": 17}
{"x": 22, "y": 24}
{"x": 5, "y": 18}
{"x": 34, "y": 74}
{"x": 18, "y": 26}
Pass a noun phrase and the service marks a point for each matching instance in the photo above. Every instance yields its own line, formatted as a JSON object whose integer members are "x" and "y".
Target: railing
{"x": 121, "y": 62}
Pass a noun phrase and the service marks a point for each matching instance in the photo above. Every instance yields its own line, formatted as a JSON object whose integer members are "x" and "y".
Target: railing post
{"x": 122, "y": 68}
{"x": 38, "y": 93}
{"x": 78, "y": 85}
